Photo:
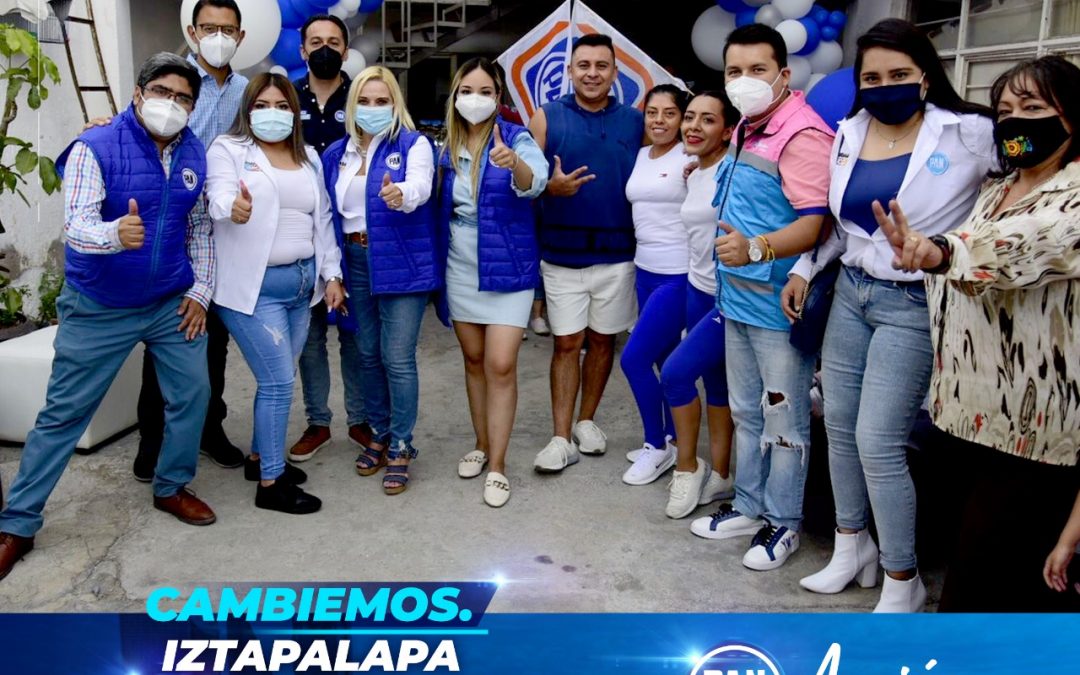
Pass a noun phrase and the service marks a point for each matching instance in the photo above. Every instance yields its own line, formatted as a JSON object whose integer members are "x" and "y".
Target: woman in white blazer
{"x": 909, "y": 140}
{"x": 277, "y": 256}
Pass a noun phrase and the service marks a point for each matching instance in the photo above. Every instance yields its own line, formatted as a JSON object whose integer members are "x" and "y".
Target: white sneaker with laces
{"x": 589, "y": 438}
{"x": 771, "y": 548}
{"x": 558, "y": 454}
{"x": 650, "y": 464}
{"x": 717, "y": 488}
{"x": 725, "y": 523}
{"x": 540, "y": 326}
{"x": 632, "y": 455}
{"x": 684, "y": 490}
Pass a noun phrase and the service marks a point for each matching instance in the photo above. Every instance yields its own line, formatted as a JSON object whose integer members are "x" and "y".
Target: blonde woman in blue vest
{"x": 490, "y": 171}
{"x": 380, "y": 179}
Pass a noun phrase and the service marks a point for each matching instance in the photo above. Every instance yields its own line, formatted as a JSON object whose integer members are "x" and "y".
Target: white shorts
{"x": 600, "y": 297}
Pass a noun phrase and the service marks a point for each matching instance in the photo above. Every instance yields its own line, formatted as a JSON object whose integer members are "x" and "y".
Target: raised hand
{"x": 130, "y": 229}
{"x": 390, "y": 193}
{"x": 912, "y": 251}
{"x": 501, "y": 155}
{"x": 241, "y": 208}
{"x": 732, "y": 248}
{"x": 567, "y": 184}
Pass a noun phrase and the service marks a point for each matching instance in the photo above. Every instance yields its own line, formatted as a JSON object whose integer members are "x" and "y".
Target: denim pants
{"x": 315, "y": 372}
{"x": 92, "y": 343}
{"x": 769, "y": 389}
{"x": 389, "y": 330}
{"x": 271, "y": 339}
{"x": 876, "y": 363}
{"x": 662, "y": 315}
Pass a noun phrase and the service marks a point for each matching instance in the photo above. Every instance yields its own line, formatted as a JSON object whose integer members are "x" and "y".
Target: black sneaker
{"x": 291, "y": 475}
{"x": 145, "y": 463}
{"x": 287, "y": 498}
{"x": 221, "y": 451}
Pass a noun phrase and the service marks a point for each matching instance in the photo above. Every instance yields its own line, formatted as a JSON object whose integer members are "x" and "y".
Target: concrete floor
{"x": 581, "y": 541}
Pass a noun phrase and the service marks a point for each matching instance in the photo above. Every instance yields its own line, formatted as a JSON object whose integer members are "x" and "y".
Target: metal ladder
{"x": 61, "y": 9}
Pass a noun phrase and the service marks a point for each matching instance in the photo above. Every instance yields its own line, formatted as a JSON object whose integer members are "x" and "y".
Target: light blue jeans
{"x": 769, "y": 391}
{"x": 315, "y": 373}
{"x": 92, "y": 343}
{"x": 876, "y": 364}
{"x": 271, "y": 339}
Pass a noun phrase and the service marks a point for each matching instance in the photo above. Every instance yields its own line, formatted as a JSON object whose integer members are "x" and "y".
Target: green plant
{"x": 11, "y": 303}
{"x": 23, "y": 65}
{"x": 48, "y": 290}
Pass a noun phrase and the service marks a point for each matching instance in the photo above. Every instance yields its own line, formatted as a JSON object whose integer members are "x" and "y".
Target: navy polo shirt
{"x": 327, "y": 125}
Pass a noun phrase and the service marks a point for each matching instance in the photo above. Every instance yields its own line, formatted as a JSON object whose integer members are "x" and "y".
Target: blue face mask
{"x": 894, "y": 103}
{"x": 272, "y": 125}
{"x": 374, "y": 119}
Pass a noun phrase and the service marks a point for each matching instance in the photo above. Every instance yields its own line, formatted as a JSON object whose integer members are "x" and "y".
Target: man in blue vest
{"x": 586, "y": 242}
{"x": 139, "y": 267}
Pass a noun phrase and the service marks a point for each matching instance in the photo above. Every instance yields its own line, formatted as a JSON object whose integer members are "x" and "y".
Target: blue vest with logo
{"x": 131, "y": 167}
{"x": 507, "y": 252}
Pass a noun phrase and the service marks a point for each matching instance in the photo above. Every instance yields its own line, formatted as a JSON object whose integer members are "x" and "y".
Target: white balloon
{"x": 794, "y": 34}
{"x": 800, "y": 71}
{"x": 755, "y": 3}
{"x": 368, "y": 44}
{"x": 261, "y": 25}
{"x": 827, "y": 57}
{"x": 354, "y": 64}
{"x": 793, "y": 9}
{"x": 710, "y": 31}
{"x": 814, "y": 79}
{"x": 280, "y": 70}
{"x": 768, "y": 15}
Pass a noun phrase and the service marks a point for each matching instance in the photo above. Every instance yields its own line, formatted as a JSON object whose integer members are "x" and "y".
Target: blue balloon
{"x": 733, "y": 6}
{"x": 820, "y": 15}
{"x": 838, "y": 19}
{"x": 368, "y": 6}
{"x": 833, "y": 96}
{"x": 829, "y": 33}
{"x": 295, "y": 74}
{"x": 286, "y": 52}
{"x": 813, "y": 36}
{"x": 293, "y": 13}
{"x": 321, "y": 5}
{"x": 745, "y": 18}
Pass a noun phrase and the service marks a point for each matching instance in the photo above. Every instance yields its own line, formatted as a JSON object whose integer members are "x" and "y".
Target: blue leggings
{"x": 662, "y": 303}
{"x": 701, "y": 354}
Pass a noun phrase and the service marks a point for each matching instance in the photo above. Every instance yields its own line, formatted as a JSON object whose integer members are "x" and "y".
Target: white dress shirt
{"x": 415, "y": 189}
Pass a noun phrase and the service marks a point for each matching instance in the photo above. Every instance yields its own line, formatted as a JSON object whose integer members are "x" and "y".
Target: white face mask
{"x": 218, "y": 49}
{"x": 475, "y": 108}
{"x": 163, "y": 117}
{"x": 749, "y": 95}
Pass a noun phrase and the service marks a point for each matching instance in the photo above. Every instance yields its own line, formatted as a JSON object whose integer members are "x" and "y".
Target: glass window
{"x": 981, "y": 74}
{"x": 950, "y": 70}
{"x": 940, "y": 21}
{"x": 997, "y": 22}
{"x": 1065, "y": 18}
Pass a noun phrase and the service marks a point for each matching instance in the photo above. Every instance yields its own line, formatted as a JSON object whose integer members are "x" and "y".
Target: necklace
{"x": 893, "y": 141}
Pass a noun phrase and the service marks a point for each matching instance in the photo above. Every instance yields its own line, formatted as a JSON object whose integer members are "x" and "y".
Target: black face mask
{"x": 325, "y": 63}
{"x": 1026, "y": 142}
{"x": 894, "y": 103}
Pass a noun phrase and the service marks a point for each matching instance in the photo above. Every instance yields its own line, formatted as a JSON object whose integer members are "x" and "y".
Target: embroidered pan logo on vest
{"x": 190, "y": 179}
{"x": 340, "y": 116}
{"x": 394, "y": 161}
{"x": 938, "y": 163}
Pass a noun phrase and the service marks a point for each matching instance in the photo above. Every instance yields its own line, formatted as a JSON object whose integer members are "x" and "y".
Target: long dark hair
{"x": 241, "y": 128}
{"x": 1056, "y": 81}
{"x": 902, "y": 36}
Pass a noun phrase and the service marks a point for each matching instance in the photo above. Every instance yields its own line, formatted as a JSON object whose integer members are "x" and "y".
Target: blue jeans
{"x": 876, "y": 363}
{"x": 389, "y": 330}
{"x": 699, "y": 355}
{"x": 91, "y": 345}
{"x": 315, "y": 373}
{"x": 271, "y": 339}
{"x": 662, "y": 299}
{"x": 769, "y": 386}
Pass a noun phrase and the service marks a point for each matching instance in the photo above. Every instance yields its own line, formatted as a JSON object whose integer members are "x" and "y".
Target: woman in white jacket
{"x": 277, "y": 257}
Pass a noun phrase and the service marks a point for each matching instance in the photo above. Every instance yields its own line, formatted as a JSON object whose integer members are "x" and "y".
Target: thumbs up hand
{"x": 732, "y": 248}
{"x": 391, "y": 193}
{"x": 501, "y": 155}
{"x": 241, "y": 208}
{"x": 130, "y": 228}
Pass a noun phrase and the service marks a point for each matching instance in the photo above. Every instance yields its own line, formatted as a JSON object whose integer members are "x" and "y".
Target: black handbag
{"x": 808, "y": 331}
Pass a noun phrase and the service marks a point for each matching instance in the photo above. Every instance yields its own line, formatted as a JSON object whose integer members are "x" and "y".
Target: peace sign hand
{"x": 912, "y": 250}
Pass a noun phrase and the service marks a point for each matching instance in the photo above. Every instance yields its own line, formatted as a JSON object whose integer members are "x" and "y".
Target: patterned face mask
{"x": 1027, "y": 142}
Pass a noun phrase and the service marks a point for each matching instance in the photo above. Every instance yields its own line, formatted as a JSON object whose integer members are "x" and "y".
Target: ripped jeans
{"x": 769, "y": 391}
{"x": 271, "y": 339}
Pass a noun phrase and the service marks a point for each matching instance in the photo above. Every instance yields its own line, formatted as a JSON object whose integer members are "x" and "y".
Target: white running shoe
{"x": 588, "y": 437}
{"x": 540, "y": 326}
{"x": 651, "y": 463}
{"x": 684, "y": 490}
{"x": 558, "y": 454}
{"x": 632, "y": 455}
{"x": 771, "y": 548}
{"x": 717, "y": 488}
{"x": 725, "y": 523}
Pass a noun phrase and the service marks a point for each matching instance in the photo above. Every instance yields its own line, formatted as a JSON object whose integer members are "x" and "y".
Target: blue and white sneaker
{"x": 725, "y": 523}
{"x": 771, "y": 547}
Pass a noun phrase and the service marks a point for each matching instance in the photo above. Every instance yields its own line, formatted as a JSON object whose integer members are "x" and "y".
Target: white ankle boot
{"x": 901, "y": 597}
{"x": 855, "y": 557}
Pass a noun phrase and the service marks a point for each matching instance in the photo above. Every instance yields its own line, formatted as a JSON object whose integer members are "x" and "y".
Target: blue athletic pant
{"x": 701, "y": 354}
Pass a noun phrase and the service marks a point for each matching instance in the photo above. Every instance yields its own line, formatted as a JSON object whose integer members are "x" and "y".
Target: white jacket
{"x": 953, "y": 154}
{"x": 244, "y": 249}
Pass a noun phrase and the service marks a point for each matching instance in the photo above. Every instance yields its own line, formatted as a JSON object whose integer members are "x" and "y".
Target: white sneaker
{"x": 540, "y": 326}
{"x": 901, "y": 596}
{"x": 472, "y": 464}
{"x": 717, "y": 488}
{"x": 632, "y": 455}
{"x": 771, "y": 548}
{"x": 650, "y": 464}
{"x": 725, "y": 523}
{"x": 496, "y": 489}
{"x": 590, "y": 440}
{"x": 684, "y": 490}
{"x": 558, "y": 454}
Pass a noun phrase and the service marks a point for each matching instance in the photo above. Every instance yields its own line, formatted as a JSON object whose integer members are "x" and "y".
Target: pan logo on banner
{"x": 736, "y": 659}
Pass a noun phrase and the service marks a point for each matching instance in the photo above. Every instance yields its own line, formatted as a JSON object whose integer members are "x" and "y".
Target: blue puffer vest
{"x": 131, "y": 167}
{"x": 508, "y": 254}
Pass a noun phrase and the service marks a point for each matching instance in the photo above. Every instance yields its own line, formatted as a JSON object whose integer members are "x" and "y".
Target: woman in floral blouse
{"x": 1004, "y": 296}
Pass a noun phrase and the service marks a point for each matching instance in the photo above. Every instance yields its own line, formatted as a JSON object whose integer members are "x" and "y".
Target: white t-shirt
{"x": 295, "y": 236}
{"x": 655, "y": 191}
{"x": 699, "y": 218}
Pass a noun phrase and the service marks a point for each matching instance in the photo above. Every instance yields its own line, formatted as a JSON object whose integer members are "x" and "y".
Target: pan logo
{"x": 736, "y": 659}
{"x": 537, "y": 74}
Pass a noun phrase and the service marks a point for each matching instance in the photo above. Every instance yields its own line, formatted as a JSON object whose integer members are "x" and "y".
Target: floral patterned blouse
{"x": 1006, "y": 323}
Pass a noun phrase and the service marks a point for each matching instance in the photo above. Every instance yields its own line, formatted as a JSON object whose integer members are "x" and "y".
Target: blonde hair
{"x": 402, "y": 119}
{"x": 457, "y": 127}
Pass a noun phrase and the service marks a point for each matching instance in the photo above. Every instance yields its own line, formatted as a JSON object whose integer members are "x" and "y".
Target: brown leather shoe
{"x": 12, "y": 549}
{"x": 186, "y": 507}
{"x": 360, "y": 434}
{"x": 311, "y": 440}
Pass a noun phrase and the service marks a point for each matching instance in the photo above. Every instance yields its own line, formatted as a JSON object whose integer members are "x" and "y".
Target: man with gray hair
{"x": 139, "y": 267}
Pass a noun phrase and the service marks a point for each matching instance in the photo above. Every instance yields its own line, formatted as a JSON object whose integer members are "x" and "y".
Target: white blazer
{"x": 953, "y": 154}
{"x": 244, "y": 249}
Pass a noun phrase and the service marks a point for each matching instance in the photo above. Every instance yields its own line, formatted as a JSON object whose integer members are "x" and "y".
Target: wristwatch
{"x": 943, "y": 243}
{"x": 338, "y": 279}
{"x": 756, "y": 253}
